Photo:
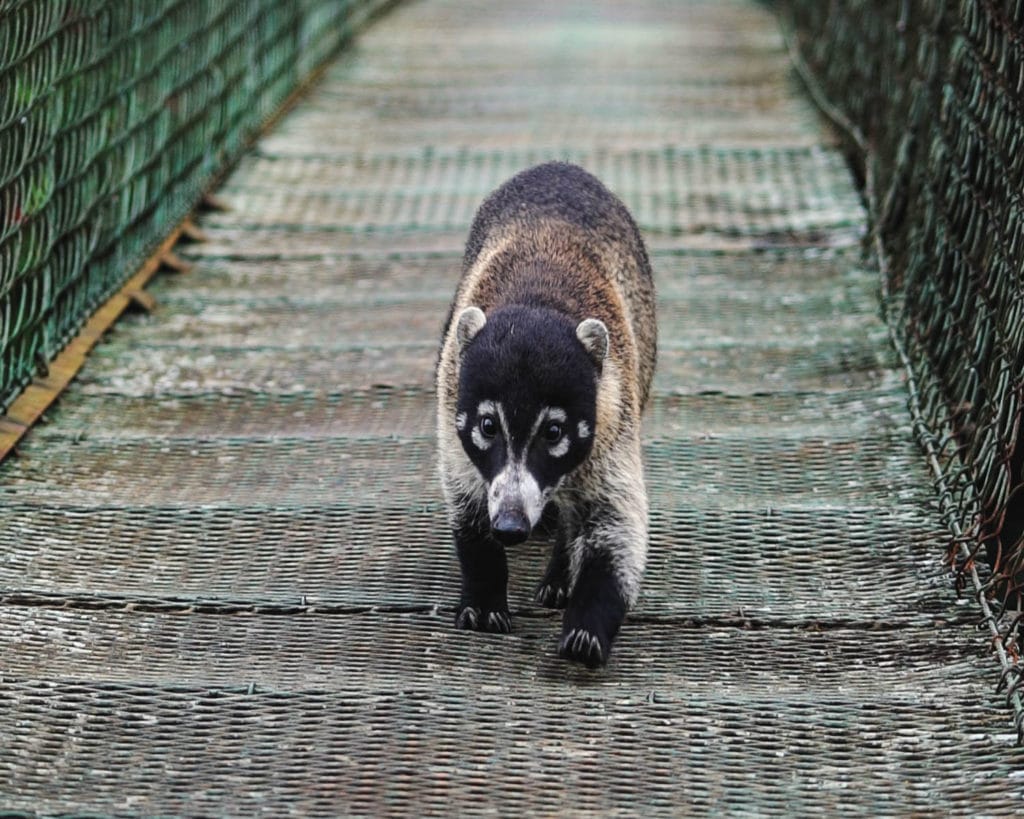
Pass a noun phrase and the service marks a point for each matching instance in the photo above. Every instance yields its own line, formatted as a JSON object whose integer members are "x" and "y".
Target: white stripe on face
{"x": 504, "y": 425}
{"x": 583, "y": 429}
{"x": 460, "y": 421}
{"x": 515, "y": 487}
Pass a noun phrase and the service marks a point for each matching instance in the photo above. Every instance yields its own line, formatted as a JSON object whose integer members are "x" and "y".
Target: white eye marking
{"x": 478, "y": 438}
{"x": 583, "y": 429}
{"x": 549, "y": 416}
{"x": 460, "y": 421}
{"x": 559, "y": 449}
{"x": 555, "y": 414}
{"x": 485, "y": 408}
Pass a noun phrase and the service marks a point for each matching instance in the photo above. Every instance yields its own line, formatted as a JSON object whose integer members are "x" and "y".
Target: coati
{"x": 545, "y": 366}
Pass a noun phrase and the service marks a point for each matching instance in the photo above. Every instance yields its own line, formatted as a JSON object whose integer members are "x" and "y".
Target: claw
{"x": 499, "y": 622}
{"x": 468, "y": 618}
{"x": 550, "y": 596}
{"x": 579, "y": 645}
{"x": 471, "y": 618}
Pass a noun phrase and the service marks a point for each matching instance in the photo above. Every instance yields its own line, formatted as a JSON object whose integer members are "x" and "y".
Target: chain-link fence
{"x": 932, "y": 94}
{"x": 114, "y": 117}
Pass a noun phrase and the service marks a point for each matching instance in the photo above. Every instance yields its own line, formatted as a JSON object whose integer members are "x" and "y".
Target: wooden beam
{"x": 43, "y": 391}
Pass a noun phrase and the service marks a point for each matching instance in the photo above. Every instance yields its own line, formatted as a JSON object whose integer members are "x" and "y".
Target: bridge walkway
{"x": 225, "y": 581}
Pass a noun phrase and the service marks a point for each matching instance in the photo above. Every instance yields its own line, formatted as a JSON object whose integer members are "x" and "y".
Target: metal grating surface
{"x": 225, "y": 585}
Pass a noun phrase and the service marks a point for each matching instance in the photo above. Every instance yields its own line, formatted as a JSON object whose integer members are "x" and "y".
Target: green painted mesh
{"x": 114, "y": 117}
{"x": 936, "y": 90}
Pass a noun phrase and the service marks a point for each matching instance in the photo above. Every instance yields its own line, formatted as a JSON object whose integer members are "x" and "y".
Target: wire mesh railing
{"x": 932, "y": 92}
{"x": 114, "y": 118}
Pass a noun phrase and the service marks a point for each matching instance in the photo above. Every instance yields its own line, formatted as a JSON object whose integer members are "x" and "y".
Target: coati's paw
{"x": 498, "y": 622}
{"x": 471, "y": 618}
{"x": 551, "y": 595}
{"x": 582, "y": 646}
{"x": 553, "y": 591}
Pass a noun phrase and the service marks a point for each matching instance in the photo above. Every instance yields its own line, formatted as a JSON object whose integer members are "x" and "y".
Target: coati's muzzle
{"x": 515, "y": 503}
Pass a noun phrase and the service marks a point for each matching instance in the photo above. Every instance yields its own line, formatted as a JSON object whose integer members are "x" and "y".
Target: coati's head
{"x": 527, "y": 405}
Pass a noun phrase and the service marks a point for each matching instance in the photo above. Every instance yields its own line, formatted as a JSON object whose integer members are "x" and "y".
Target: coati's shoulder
{"x": 560, "y": 192}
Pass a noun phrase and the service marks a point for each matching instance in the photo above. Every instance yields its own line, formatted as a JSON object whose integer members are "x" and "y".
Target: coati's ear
{"x": 470, "y": 322}
{"x": 594, "y": 336}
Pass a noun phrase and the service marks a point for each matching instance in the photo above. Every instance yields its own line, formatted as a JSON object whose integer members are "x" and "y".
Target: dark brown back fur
{"x": 554, "y": 236}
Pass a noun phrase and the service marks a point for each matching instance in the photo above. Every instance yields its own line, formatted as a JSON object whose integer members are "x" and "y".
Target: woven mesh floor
{"x": 225, "y": 582}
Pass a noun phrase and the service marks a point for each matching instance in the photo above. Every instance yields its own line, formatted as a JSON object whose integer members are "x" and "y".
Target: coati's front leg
{"x": 553, "y": 590}
{"x": 607, "y": 560}
{"x": 483, "y": 605}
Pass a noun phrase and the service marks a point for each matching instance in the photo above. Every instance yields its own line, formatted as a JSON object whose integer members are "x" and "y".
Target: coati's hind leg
{"x": 608, "y": 557}
{"x": 553, "y": 590}
{"x": 483, "y": 605}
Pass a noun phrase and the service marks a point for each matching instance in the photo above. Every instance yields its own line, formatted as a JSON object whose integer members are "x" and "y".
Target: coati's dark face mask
{"x": 527, "y": 406}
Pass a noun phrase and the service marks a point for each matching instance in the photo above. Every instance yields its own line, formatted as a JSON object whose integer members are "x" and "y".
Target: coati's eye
{"x": 488, "y": 426}
{"x": 553, "y": 432}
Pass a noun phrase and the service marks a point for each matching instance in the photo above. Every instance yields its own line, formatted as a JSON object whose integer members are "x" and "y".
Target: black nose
{"x": 510, "y": 527}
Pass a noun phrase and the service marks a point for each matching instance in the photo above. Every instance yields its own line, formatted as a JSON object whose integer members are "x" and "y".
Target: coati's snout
{"x": 515, "y": 502}
{"x": 511, "y": 527}
{"x": 526, "y": 407}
